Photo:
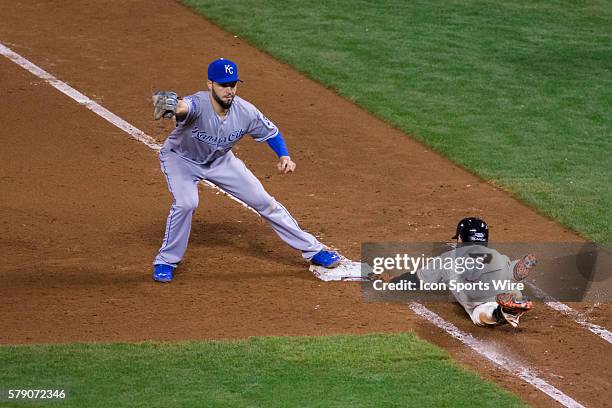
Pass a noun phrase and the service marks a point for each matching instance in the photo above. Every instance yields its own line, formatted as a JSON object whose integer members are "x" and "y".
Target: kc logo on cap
{"x": 223, "y": 71}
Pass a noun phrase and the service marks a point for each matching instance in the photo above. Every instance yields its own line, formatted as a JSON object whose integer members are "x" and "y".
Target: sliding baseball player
{"x": 486, "y": 283}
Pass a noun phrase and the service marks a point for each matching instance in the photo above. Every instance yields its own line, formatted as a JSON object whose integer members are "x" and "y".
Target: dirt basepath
{"x": 84, "y": 206}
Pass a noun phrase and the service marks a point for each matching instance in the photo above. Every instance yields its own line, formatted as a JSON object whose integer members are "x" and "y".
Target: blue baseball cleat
{"x": 163, "y": 273}
{"x": 326, "y": 259}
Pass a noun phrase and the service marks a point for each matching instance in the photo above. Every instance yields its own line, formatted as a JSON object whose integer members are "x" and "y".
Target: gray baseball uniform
{"x": 480, "y": 279}
{"x": 199, "y": 148}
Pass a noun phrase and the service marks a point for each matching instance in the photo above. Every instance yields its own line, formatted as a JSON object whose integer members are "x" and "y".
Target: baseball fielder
{"x": 208, "y": 124}
{"x": 487, "y": 288}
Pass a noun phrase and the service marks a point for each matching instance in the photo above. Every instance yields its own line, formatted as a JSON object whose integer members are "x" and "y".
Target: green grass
{"x": 519, "y": 92}
{"x": 338, "y": 371}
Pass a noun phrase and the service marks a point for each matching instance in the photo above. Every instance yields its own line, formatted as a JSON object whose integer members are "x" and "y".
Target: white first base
{"x": 347, "y": 271}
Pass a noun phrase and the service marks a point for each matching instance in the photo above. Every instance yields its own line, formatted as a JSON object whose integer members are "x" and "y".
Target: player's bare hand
{"x": 285, "y": 165}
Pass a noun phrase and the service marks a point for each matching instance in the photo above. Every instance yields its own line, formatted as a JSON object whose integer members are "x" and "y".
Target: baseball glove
{"x": 522, "y": 267}
{"x": 511, "y": 308}
{"x": 164, "y": 104}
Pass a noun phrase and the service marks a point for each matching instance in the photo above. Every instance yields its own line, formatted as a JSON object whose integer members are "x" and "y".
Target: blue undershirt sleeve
{"x": 277, "y": 143}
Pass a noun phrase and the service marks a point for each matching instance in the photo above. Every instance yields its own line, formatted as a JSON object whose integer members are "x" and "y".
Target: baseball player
{"x": 208, "y": 124}
{"x": 474, "y": 281}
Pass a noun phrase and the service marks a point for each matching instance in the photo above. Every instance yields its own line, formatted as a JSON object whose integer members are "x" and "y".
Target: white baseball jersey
{"x": 480, "y": 278}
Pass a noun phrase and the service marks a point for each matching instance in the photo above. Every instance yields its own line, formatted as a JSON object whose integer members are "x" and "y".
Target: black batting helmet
{"x": 472, "y": 230}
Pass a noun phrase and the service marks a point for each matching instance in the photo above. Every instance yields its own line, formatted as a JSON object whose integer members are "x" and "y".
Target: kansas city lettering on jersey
{"x": 202, "y": 136}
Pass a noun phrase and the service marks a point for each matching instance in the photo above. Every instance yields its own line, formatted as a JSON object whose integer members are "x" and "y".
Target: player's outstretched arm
{"x": 182, "y": 109}
{"x": 167, "y": 104}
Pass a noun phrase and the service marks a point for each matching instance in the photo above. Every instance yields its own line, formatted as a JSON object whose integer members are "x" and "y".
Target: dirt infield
{"x": 84, "y": 205}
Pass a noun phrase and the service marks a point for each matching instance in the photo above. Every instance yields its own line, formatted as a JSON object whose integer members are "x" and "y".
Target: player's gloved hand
{"x": 285, "y": 165}
{"x": 164, "y": 104}
{"x": 522, "y": 267}
{"x": 511, "y": 308}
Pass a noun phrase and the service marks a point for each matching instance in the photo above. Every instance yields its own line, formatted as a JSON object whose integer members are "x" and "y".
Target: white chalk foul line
{"x": 568, "y": 311}
{"x": 500, "y": 360}
{"x": 79, "y": 97}
{"x": 142, "y": 137}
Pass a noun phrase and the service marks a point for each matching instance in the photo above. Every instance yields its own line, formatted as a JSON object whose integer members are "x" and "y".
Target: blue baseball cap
{"x": 223, "y": 71}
